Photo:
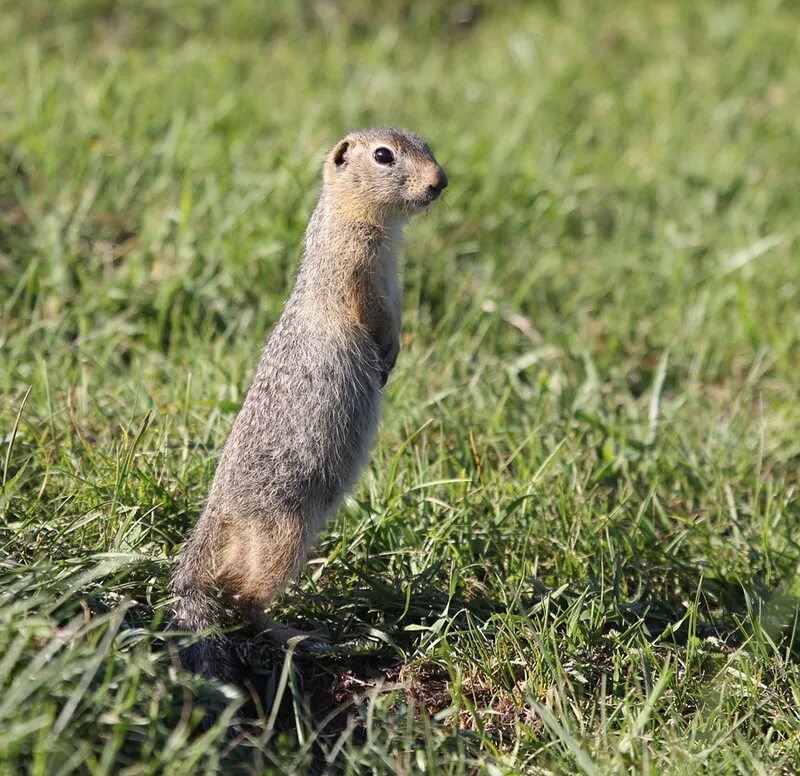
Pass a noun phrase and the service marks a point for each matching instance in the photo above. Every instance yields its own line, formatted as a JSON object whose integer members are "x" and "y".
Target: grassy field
{"x": 575, "y": 549}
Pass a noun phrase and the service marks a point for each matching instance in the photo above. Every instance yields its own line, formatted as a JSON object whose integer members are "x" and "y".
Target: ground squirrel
{"x": 309, "y": 418}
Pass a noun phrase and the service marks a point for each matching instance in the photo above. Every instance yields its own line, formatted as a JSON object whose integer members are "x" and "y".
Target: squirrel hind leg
{"x": 304, "y": 641}
{"x": 258, "y": 561}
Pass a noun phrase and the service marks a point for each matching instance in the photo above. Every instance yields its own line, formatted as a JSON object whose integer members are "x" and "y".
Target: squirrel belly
{"x": 307, "y": 424}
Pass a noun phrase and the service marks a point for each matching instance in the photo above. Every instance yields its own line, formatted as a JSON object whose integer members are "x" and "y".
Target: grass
{"x": 575, "y": 547}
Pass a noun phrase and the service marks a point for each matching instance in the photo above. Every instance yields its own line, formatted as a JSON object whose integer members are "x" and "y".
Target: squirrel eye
{"x": 383, "y": 156}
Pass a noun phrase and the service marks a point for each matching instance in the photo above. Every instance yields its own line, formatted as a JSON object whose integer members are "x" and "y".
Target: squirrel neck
{"x": 348, "y": 272}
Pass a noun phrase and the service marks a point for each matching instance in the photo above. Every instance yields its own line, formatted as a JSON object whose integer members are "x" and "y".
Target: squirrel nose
{"x": 440, "y": 185}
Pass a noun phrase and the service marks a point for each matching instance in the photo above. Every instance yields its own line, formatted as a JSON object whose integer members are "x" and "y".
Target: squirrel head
{"x": 381, "y": 175}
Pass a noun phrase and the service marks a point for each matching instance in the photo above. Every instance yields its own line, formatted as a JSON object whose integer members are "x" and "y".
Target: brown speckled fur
{"x": 310, "y": 415}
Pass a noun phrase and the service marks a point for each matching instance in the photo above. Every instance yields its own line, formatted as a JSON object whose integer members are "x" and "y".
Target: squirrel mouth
{"x": 420, "y": 203}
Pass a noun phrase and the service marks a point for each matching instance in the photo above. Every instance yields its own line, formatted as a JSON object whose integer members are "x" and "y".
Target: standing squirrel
{"x": 309, "y": 418}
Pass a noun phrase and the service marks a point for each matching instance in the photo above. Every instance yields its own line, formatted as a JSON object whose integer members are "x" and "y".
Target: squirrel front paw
{"x": 388, "y": 360}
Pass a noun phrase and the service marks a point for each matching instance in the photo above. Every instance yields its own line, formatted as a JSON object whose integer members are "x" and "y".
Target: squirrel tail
{"x": 198, "y": 610}
{"x": 214, "y": 655}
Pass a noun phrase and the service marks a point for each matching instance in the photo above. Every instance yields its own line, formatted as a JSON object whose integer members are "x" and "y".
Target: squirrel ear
{"x": 339, "y": 157}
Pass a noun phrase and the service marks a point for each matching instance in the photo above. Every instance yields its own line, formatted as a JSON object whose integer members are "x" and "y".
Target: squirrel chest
{"x": 374, "y": 298}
